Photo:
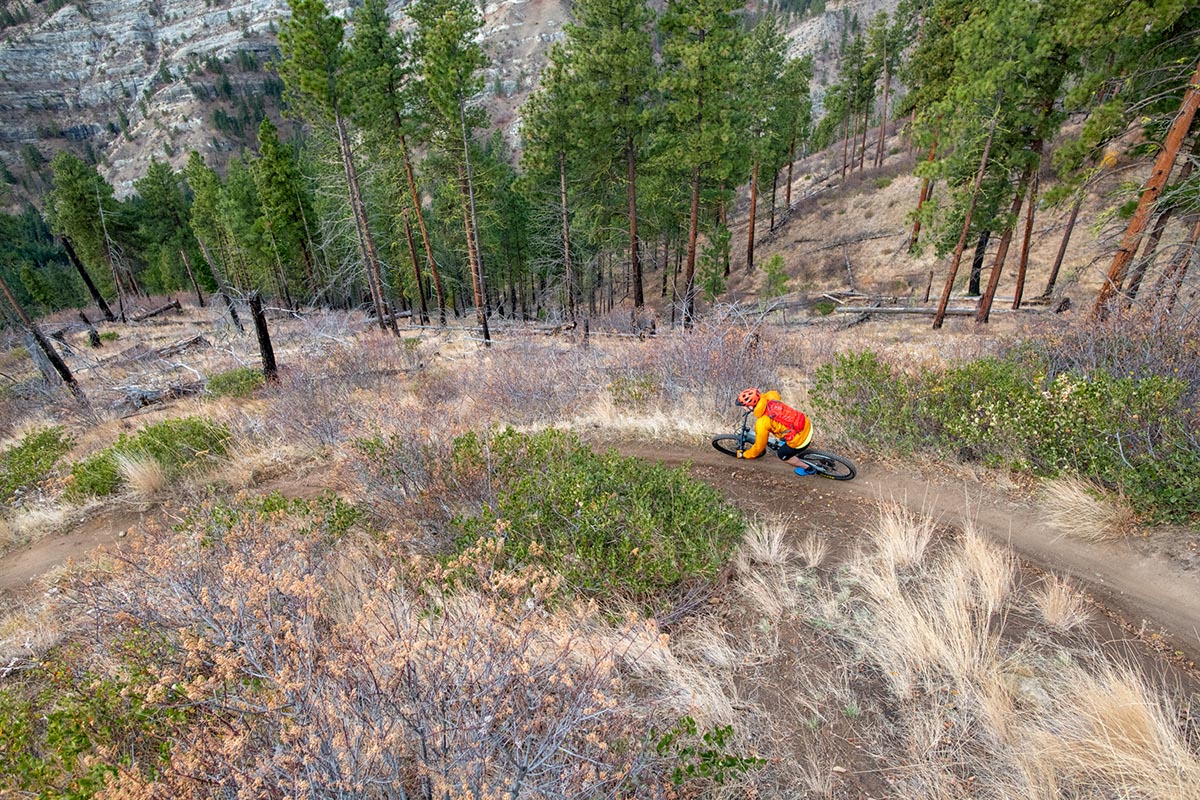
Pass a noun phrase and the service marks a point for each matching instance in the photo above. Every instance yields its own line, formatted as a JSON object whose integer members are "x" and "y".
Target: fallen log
{"x": 174, "y": 304}
{"x": 952, "y": 312}
{"x": 137, "y": 398}
{"x": 172, "y": 349}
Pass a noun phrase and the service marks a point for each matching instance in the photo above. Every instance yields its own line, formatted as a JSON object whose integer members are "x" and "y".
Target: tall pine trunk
{"x": 1139, "y": 269}
{"x": 568, "y": 278}
{"x": 415, "y": 197}
{"x": 985, "y": 302}
{"x": 187, "y": 265}
{"x": 787, "y": 192}
{"x": 940, "y": 316}
{"x": 412, "y": 252}
{"x": 635, "y": 262}
{"x": 366, "y": 244}
{"x": 1023, "y": 266}
{"x": 1062, "y": 248}
{"x": 924, "y": 196}
{"x": 1153, "y": 188}
{"x": 753, "y": 215}
{"x": 887, "y": 80}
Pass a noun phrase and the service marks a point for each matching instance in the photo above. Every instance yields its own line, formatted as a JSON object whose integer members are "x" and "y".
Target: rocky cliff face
{"x": 124, "y": 81}
{"x": 121, "y": 81}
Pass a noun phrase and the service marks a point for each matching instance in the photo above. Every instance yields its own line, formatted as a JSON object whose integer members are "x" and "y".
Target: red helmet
{"x": 748, "y": 398}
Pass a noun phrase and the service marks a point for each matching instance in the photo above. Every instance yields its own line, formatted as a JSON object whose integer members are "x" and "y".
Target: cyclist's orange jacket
{"x": 797, "y": 434}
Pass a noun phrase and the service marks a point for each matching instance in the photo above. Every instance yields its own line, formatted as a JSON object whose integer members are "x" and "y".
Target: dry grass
{"x": 813, "y": 551}
{"x": 1081, "y": 510}
{"x": 1060, "y": 604}
{"x": 765, "y": 543}
{"x": 144, "y": 476}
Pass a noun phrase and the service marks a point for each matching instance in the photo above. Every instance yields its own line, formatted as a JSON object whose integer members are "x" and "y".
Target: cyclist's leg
{"x": 791, "y": 455}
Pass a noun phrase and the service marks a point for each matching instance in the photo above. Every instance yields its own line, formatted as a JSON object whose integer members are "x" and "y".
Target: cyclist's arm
{"x": 762, "y": 430}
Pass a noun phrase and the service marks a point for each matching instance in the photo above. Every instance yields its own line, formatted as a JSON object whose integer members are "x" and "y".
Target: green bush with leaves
{"x": 236, "y": 382}
{"x": 1132, "y": 434}
{"x": 178, "y": 445}
{"x": 28, "y": 462}
{"x": 611, "y": 526}
{"x": 63, "y": 733}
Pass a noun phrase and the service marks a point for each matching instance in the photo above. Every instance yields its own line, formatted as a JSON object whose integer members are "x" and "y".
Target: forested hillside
{"x": 394, "y": 454}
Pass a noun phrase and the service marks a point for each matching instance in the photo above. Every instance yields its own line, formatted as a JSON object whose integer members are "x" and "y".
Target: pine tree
{"x": 379, "y": 76}
{"x": 450, "y": 62}
{"x": 613, "y": 77}
{"x": 286, "y": 208}
{"x": 702, "y": 50}
{"x": 81, "y": 208}
{"x": 164, "y": 223}
{"x": 313, "y": 71}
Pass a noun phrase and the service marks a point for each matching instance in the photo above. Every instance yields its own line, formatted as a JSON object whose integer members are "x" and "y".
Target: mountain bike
{"x": 827, "y": 465}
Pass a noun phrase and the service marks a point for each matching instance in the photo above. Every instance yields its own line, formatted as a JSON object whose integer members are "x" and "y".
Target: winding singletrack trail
{"x": 1149, "y": 594}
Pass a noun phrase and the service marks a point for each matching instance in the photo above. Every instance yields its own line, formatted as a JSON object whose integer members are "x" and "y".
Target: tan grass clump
{"x": 1081, "y": 510}
{"x": 764, "y": 543}
{"x": 143, "y": 475}
{"x": 1060, "y": 604}
{"x": 1112, "y": 735}
{"x": 813, "y": 551}
{"x": 901, "y": 537}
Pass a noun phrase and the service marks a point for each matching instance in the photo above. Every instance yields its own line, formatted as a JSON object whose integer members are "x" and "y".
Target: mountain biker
{"x": 773, "y": 416}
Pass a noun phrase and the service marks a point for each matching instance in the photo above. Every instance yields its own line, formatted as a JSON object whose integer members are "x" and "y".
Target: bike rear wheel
{"x": 829, "y": 465}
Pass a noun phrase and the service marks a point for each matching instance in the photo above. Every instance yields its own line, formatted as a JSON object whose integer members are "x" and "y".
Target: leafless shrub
{"x": 522, "y": 382}
{"x": 722, "y": 354}
{"x": 456, "y": 680}
{"x": 1080, "y": 509}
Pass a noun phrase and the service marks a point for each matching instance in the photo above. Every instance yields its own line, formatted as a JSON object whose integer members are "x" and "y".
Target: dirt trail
{"x": 1150, "y": 593}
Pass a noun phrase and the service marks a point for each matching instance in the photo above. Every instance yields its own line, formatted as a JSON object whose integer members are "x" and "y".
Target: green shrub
{"x": 237, "y": 382}
{"x": 1131, "y": 434}
{"x": 62, "y": 735}
{"x": 876, "y": 403}
{"x": 30, "y": 461}
{"x": 178, "y": 445}
{"x": 611, "y": 526}
{"x": 328, "y": 516}
{"x": 109, "y": 336}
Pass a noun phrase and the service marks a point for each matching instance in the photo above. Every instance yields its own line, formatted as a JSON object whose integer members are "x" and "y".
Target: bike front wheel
{"x": 828, "y": 465}
{"x": 730, "y": 443}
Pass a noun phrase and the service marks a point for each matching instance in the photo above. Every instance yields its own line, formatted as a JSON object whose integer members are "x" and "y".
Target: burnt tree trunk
{"x": 977, "y": 263}
{"x": 412, "y": 251}
{"x": 415, "y": 196}
{"x": 689, "y": 293}
{"x": 269, "y": 368}
{"x": 43, "y": 343}
{"x": 97, "y": 298}
{"x": 753, "y": 216}
{"x": 925, "y": 192}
